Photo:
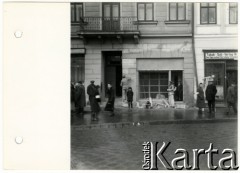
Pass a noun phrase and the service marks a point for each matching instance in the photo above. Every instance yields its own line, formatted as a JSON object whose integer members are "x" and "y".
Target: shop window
{"x": 76, "y": 12}
{"x": 208, "y": 13}
{"x": 145, "y": 11}
{"x": 177, "y": 11}
{"x": 152, "y": 84}
{"x": 233, "y": 13}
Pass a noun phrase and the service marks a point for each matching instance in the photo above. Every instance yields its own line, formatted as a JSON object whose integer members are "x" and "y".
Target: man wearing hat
{"x": 92, "y": 91}
{"x": 211, "y": 92}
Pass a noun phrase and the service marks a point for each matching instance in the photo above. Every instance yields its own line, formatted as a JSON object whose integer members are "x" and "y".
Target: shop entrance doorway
{"x": 113, "y": 71}
{"x": 176, "y": 77}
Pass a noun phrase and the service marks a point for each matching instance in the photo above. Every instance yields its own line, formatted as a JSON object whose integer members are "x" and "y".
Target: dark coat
{"x": 72, "y": 93}
{"x": 92, "y": 92}
{"x": 211, "y": 92}
{"x": 111, "y": 98}
{"x": 129, "y": 96}
{"x": 111, "y": 94}
{"x": 232, "y": 94}
{"x": 200, "y": 98}
{"x": 79, "y": 96}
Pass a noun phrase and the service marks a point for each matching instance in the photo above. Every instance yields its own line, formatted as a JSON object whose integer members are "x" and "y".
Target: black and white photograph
{"x": 154, "y": 85}
{"x": 119, "y": 85}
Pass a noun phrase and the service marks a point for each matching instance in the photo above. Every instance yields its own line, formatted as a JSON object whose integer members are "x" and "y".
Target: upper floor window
{"x": 177, "y": 11}
{"x": 76, "y": 12}
{"x": 145, "y": 11}
{"x": 208, "y": 13}
{"x": 233, "y": 13}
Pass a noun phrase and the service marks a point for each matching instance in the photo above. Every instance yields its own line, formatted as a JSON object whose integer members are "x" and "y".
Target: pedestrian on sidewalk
{"x": 171, "y": 91}
{"x": 95, "y": 108}
{"x": 72, "y": 92}
{"x": 200, "y": 98}
{"x": 124, "y": 85}
{"x": 211, "y": 92}
{"x": 111, "y": 98}
{"x": 179, "y": 92}
{"x": 96, "y": 103}
{"x": 80, "y": 98}
{"x": 232, "y": 98}
{"x": 130, "y": 97}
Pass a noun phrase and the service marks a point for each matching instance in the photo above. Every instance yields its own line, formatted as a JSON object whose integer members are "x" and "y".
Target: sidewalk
{"x": 139, "y": 117}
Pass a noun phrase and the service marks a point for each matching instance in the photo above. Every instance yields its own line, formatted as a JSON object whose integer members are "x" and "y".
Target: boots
{"x": 92, "y": 116}
{"x": 96, "y": 116}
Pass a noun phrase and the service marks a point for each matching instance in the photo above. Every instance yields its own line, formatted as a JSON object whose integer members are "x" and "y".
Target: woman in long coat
{"x": 111, "y": 99}
{"x": 200, "y": 98}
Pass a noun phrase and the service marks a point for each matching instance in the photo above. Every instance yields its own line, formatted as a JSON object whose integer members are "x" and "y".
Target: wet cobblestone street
{"x": 121, "y": 148}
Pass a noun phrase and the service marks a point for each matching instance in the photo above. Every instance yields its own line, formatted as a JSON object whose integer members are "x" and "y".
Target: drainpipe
{"x": 193, "y": 46}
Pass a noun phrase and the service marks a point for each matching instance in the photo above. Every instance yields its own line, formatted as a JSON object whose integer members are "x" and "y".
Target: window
{"x": 76, "y": 12}
{"x": 177, "y": 11}
{"x": 208, "y": 13}
{"x": 145, "y": 11}
{"x": 233, "y": 13}
{"x": 152, "y": 84}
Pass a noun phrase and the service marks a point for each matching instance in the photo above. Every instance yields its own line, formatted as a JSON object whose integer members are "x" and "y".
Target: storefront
{"x": 223, "y": 65}
{"x": 154, "y": 76}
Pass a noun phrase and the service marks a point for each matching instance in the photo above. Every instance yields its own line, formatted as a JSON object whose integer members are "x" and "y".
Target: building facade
{"x": 149, "y": 42}
{"x": 216, "y": 44}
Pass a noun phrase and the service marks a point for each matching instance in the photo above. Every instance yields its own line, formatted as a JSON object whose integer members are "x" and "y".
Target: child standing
{"x": 130, "y": 97}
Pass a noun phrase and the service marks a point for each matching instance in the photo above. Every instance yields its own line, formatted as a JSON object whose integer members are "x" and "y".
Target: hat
{"x": 92, "y": 81}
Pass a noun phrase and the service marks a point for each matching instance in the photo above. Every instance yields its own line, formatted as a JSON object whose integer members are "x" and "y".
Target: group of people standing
{"x": 79, "y": 98}
{"x": 210, "y": 94}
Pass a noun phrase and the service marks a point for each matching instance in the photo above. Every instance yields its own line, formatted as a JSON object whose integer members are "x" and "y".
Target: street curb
{"x": 145, "y": 123}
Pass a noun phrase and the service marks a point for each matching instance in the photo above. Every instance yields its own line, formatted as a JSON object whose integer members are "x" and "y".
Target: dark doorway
{"x": 113, "y": 70}
{"x": 111, "y": 16}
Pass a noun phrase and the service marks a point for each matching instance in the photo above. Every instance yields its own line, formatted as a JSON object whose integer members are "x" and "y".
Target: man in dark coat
{"x": 211, "y": 92}
{"x": 200, "y": 98}
{"x": 232, "y": 98}
{"x": 130, "y": 97}
{"x": 111, "y": 99}
{"x": 92, "y": 92}
{"x": 80, "y": 98}
{"x": 72, "y": 92}
{"x": 178, "y": 95}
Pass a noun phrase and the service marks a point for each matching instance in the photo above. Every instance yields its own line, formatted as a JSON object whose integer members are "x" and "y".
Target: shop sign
{"x": 221, "y": 55}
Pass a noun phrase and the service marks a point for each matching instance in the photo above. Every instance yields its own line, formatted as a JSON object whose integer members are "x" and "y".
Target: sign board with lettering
{"x": 221, "y": 55}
